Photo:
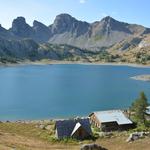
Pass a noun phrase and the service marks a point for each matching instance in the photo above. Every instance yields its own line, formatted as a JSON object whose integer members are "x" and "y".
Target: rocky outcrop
{"x": 137, "y": 135}
{"x": 21, "y": 29}
{"x": 41, "y": 32}
{"x": 65, "y": 23}
{"x": 92, "y": 147}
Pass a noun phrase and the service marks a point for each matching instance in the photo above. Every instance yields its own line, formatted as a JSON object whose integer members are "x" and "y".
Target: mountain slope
{"x": 133, "y": 50}
{"x": 14, "y": 51}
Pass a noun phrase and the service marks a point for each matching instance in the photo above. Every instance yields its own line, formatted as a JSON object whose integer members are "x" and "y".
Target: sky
{"x": 45, "y": 11}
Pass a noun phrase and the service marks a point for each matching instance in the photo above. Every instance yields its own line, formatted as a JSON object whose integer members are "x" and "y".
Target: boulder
{"x": 137, "y": 135}
{"x": 92, "y": 147}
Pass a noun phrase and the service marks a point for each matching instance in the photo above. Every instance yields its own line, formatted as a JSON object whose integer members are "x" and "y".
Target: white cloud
{"x": 82, "y": 1}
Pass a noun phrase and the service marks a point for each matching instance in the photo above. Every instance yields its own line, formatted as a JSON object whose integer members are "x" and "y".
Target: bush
{"x": 141, "y": 128}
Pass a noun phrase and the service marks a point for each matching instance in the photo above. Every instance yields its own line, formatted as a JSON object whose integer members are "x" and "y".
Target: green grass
{"x": 27, "y": 130}
{"x": 30, "y": 130}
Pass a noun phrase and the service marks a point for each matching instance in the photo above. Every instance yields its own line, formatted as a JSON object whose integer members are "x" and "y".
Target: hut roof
{"x": 112, "y": 116}
{"x": 77, "y": 126}
{"x": 65, "y": 128}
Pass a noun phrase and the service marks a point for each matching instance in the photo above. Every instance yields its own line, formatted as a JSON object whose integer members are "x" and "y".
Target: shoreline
{"x": 73, "y": 63}
{"x": 145, "y": 78}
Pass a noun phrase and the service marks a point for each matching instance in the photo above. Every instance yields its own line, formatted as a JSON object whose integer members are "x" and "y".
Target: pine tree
{"x": 139, "y": 108}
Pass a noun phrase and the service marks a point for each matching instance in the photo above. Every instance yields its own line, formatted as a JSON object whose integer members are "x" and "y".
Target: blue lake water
{"x": 54, "y": 91}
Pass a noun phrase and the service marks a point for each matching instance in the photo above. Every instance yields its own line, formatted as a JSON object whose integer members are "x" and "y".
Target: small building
{"x": 78, "y": 128}
{"x": 110, "y": 120}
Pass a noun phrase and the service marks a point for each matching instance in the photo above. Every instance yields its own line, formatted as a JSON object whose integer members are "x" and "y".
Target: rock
{"x": 92, "y": 147}
{"x": 136, "y": 136}
{"x": 105, "y": 134}
{"x": 147, "y": 133}
{"x": 42, "y": 126}
{"x": 19, "y": 121}
{"x": 48, "y": 127}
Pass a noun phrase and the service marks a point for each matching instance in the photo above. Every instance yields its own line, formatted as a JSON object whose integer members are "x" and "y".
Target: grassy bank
{"x": 29, "y": 136}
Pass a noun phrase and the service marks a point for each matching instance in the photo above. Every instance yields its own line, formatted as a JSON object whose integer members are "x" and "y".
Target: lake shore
{"x": 52, "y": 62}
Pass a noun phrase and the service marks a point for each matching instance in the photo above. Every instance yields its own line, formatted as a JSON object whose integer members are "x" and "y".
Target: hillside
{"x": 133, "y": 50}
{"x": 26, "y": 136}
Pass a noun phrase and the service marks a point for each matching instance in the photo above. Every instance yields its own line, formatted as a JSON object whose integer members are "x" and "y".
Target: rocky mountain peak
{"x": 108, "y": 19}
{"x": 18, "y": 23}
{"x": 41, "y": 32}
{"x": 21, "y": 28}
{"x": 64, "y": 17}
{"x": 109, "y": 24}
{"x": 66, "y": 23}
{"x": 38, "y": 24}
{"x": 62, "y": 23}
{"x": 19, "y": 20}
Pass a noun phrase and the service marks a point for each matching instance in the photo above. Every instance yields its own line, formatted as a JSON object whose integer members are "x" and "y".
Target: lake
{"x": 59, "y": 91}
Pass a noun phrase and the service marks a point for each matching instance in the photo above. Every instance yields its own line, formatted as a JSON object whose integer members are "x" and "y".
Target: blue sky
{"x": 132, "y": 11}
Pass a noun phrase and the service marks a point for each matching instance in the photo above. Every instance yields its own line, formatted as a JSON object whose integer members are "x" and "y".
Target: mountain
{"x": 70, "y": 31}
{"x": 71, "y": 39}
{"x": 94, "y": 36}
{"x": 39, "y": 32}
{"x": 21, "y": 29}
